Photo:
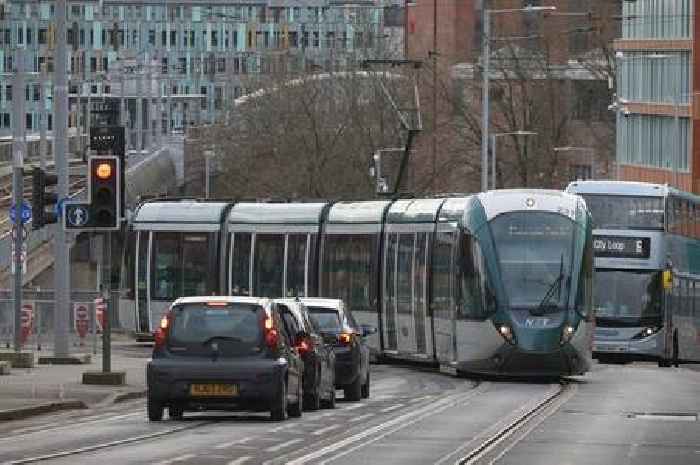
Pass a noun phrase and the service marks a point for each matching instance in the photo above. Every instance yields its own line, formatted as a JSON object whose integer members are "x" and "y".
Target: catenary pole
{"x": 19, "y": 146}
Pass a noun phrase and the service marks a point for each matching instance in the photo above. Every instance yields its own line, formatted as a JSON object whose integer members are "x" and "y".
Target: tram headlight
{"x": 507, "y": 333}
{"x": 567, "y": 333}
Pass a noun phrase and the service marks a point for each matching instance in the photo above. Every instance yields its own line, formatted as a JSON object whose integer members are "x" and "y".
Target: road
{"x": 413, "y": 416}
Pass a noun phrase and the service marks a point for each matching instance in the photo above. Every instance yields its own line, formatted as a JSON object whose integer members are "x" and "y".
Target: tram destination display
{"x": 621, "y": 247}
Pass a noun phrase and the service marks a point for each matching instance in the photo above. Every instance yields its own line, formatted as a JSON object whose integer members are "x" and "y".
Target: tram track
{"x": 511, "y": 431}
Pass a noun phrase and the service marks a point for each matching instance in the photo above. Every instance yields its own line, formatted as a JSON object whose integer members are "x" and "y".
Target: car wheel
{"x": 155, "y": 409}
{"x": 353, "y": 392}
{"x": 278, "y": 412}
{"x": 296, "y": 409}
{"x": 365, "y": 388}
{"x": 330, "y": 402}
{"x": 175, "y": 412}
{"x": 313, "y": 401}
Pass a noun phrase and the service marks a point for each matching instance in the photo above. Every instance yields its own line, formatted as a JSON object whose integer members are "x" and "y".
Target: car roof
{"x": 323, "y": 302}
{"x": 293, "y": 305}
{"x": 262, "y": 301}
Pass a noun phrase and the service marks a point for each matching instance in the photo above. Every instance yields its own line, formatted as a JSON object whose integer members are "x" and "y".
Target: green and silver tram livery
{"x": 490, "y": 283}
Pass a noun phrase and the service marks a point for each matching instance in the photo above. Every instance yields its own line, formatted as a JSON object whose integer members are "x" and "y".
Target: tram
{"x": 495, "y": 283}
{"x": 640, "y": 231}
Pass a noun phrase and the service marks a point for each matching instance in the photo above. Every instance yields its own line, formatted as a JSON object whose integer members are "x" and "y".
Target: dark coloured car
{"x": 338, "y": 327}
{"x": 318, "y": 357}
{"x": 224, "y": 353}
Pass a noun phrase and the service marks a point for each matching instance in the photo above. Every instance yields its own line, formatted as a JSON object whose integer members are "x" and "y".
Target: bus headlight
{"x": 507, "y": 333}
{"x": 566, "y": 334}
{"x": 646, "y": 332}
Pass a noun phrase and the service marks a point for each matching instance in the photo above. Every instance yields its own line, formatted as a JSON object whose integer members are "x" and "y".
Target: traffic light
{"x": 105, "y": 192}
{"x": 42, "y": 199}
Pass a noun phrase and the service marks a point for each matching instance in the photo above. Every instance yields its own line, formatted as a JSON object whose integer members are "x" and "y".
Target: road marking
{"x": 283, "y": 445}
{"x": 393, "y": 407}
{"x": 105, "y": 445}
{"x": 239, "y": 460}
{"x": 325, "y": 430}
{"x": 386, "y": 428}
{"x": 361, "y": 417}
{"x": 59, "y": 426}
{"x": 352, "y": 406}
{"x": 181, "y": 458}
{"x": 226, "y": 445}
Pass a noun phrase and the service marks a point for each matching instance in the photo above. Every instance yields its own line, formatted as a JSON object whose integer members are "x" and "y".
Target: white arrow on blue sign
{"x": 25, "y": 213}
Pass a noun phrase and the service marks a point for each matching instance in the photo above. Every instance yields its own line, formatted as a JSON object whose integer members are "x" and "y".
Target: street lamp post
{"x": 486, "y": 52}
{"x": 493, "y": 150}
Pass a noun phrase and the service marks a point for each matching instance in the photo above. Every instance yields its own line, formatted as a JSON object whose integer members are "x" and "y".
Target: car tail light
{"x": 345, "y": 338}
{"x": 162, "y": 331}
{"x": 271, "y": 334}
{"x": 305, "y": 346}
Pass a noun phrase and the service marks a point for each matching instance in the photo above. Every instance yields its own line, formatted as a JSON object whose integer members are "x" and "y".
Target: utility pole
{"x": 43, "y": 123}
{"x": 139, "y": 107}
{"x": 61, "y": 253}
{"x": 19, "y": 146}
{"x": 486, "y": 46}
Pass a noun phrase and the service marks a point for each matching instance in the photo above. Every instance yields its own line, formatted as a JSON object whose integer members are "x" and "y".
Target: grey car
{"x": 224, "y": 353}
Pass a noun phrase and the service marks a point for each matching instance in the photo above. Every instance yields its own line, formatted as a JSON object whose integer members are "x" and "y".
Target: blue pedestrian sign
{"x": 25, "y": 213}
{"x": 77, "y": 215}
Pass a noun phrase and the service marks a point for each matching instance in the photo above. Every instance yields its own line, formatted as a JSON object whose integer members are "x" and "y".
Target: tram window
{"x": 390, "y": 289}
{"x": 477, "y": 297}
{"x": 348, "y": 269}
{"x": 404, "y": 270}
{"x": 127, "y": 268}
{"x": 269, "y": 259}
{"x": 296, "y": 264}
{"x": 142, "y": 279}
{"x": 180, "y": 265}
{"x": 584, "y": 296}
{"x": 195, "y": 264}
{"x": 166, "y": 266}
{"x": 441, "y": 274}
{"x": 240, "y": 264}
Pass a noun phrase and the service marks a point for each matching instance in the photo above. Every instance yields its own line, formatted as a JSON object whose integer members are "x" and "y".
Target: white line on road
{"x": 361, "y": 417}
{"x": 378, "y": 432}
{"x": 239, "y": 460}
{"x": 181, "y": 458}
{"x": 58, "y": 426}
{"x": 392, "y": 408}
{"x": 283, "y": 445}
{"x": 352, "y": 406}
{"x": 325, "y": 430}
{"x": 226, "y": 445}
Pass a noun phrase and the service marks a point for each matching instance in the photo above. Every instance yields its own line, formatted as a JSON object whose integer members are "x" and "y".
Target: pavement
{"x": 26, "y": 392}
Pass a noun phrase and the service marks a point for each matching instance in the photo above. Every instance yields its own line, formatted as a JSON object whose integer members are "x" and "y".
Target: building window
{"x": 36, "y": 92}
{"x": 214, "y": 39}
{"x": 29, "y": 120}
{"x": 107, "y": 90}
{"x": 6, "y": 120}
{"x": 93, "y": 64}
{"x": 221, "y": 65}
{"x": 580, "y": 172}
{"x": 8, "y": 93}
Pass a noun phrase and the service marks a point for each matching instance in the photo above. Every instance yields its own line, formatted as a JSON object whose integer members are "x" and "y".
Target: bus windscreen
{"x": 625, "y": 212}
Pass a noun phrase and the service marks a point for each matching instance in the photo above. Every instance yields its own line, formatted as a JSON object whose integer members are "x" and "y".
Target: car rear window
{"x": 234, "y": 327}
{"x": 325, "y": 319}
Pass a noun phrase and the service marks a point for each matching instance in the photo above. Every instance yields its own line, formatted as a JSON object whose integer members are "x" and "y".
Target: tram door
{"x": 407, "y": 327}
{"x": 443, "y": 293}
{"x": 143, "y": 313}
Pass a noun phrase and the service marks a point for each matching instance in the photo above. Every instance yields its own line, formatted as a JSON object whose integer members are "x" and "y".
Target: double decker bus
{"x": 646, "y": 241}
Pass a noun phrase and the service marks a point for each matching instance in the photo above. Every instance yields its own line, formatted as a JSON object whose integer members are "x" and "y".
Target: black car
{"x": 338, "y": 327}
{"x": 318, "y": 357}
{"x": 224, "y": 353}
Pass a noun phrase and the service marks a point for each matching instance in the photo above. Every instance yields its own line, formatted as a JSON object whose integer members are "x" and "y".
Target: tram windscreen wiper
{"x": 556, "y": 285}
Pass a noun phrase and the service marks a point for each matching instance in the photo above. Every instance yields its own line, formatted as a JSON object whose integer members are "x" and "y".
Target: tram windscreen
{"x": 534, "y": 252}
{"x": 625, "y": 212}
{"x": 628, "y": 297}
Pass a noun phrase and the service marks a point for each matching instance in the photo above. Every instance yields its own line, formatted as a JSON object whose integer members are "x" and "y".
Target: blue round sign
{"x": 25, "y": 213}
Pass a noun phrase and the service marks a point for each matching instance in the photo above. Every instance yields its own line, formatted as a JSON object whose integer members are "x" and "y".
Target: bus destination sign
{"x": 621, "y": 247}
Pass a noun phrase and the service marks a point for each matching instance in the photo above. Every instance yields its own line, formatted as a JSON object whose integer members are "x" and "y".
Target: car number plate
{"x": 213, "y": 390}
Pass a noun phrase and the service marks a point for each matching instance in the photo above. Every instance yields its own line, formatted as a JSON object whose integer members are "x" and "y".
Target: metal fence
{"x": 37, "y": 322}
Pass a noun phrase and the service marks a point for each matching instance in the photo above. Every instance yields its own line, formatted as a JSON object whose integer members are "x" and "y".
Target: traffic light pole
{"x": 61, "y": 253}
{"x": 18, "y": 190}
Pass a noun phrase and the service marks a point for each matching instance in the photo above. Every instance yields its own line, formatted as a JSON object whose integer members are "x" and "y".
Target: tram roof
{"x": 371, "y": 211}
{"x": 453, "y": 208}
{"x": 506, "y": 200}
{"x": 414, "y": 210}
{"x": 276, "y": 213}
{"x": 180, "y": 211}
{"x": 642, "y": 189}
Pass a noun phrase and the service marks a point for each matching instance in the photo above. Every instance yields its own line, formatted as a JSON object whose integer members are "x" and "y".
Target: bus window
{"x": 240, "y": 264}
{"x": 296, "y": 265}
{"x": 268, "y": 272}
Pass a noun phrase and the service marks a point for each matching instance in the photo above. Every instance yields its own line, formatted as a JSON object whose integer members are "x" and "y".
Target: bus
{"x": 496, "y": 283}
{"x": 646, "y": 241}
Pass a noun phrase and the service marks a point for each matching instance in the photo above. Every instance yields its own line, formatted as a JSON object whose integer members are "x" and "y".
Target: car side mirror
{"x": 367, "y": 330}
